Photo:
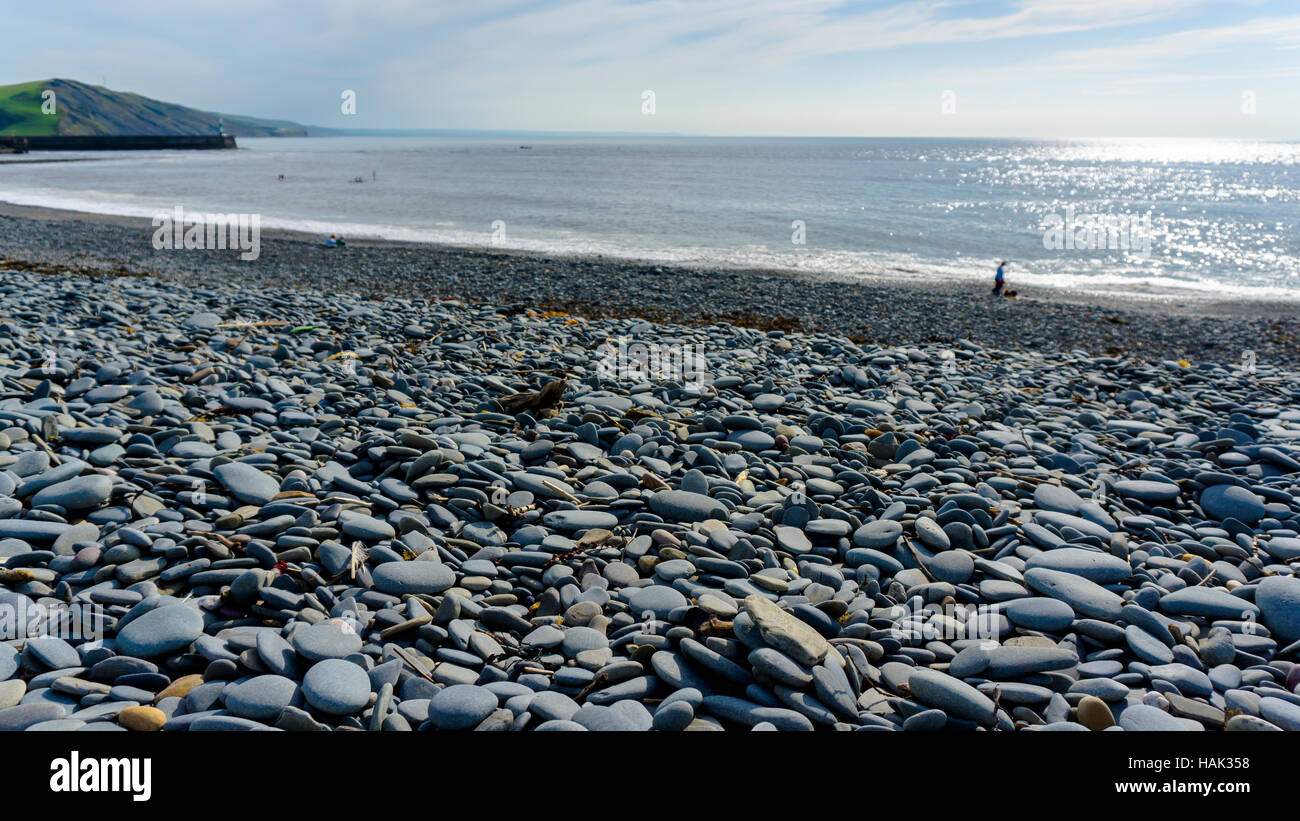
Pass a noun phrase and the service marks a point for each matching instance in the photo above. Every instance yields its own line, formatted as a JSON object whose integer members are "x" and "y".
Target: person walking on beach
{"x": 999, "y": 279}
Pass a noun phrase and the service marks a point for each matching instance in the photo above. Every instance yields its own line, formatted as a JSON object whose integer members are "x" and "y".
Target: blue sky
{"x": 1032, "y": 68}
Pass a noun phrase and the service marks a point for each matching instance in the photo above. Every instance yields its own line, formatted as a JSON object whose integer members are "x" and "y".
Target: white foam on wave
{"x": 817, "y": 263}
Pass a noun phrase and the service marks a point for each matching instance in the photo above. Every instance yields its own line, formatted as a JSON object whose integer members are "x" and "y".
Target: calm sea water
{"x": 1205, "y": 217}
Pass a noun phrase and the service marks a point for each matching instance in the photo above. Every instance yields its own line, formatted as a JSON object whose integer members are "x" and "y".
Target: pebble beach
{"x": 317, "y": 495}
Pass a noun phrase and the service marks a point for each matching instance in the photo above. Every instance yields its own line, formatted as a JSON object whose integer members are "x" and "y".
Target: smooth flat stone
{"x": 461, "y": 706}
{"x": 366, "y": 528}
{"x": 161, "y": 631}
{"x": 786, "y": 633}
{"x": 878, "y": 534}
{"x": 1092, "y": 565}
{"x": 1146, "y": 647}
{"x": 1278, "y": 600}
{"x": 337, "y": 687}
{"x": 1144, "y": 718}
{"x": 953, "y": 566}
{"x": 954, "y": 696}
{"x": 22, "y": 716}
{"x": 398, "y": 578}
{"x": 1209, "y": 602}
{"x": 657, "y": 600}
{"x": 1040, "y": 613}
{"x": 1089, "y": 599}
{"x": 780, "y": 668}
{"x": 1013, "y": 662}
{"x": 1057, "y": 498}
{"x": 1148, "y": 491}
{"x": 76, "y": 494}
{"x": 260, "y": 698}
{"x": 571, "y": 520}
{"x": 246, "y": 483}
{"x": 325, "y": 640}
{"x": 1231, "y": 502}
{"x": 53, "y": 652}
{"x": 277, "y": 654}
{"x": 684, "y": 506}
{"x": 748, "y": 713}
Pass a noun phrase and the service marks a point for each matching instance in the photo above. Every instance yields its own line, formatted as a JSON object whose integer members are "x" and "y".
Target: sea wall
{"x": 143, "y": 142}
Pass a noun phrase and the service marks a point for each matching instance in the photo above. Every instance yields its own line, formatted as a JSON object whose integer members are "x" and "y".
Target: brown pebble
{"x": 1094, "y": 714}
{"x": 142, "y": 719}
{"x": 181, "y": 687}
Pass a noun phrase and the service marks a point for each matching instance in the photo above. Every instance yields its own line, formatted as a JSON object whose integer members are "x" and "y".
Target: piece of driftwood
{"x": 540, "y": 404}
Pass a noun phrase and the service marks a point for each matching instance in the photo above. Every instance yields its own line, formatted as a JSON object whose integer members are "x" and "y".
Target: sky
{"x": 1020, "y": 68}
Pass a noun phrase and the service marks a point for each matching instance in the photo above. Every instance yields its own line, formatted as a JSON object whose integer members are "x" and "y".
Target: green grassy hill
{"x": 20, "y": 111}
{"x": 82, "y": 108}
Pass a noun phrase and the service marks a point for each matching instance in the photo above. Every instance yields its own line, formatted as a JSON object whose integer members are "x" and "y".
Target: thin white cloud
{"x": 722, "y": 66}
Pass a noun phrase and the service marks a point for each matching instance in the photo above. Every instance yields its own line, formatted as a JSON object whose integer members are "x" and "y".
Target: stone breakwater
{"x": 308, "y": 511}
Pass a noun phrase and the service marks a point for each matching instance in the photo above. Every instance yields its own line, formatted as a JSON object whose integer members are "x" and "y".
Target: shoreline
{"x": 877, "y": 310}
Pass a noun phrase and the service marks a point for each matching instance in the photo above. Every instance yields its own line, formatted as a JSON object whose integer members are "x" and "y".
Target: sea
{"x": 1179, "y": 219}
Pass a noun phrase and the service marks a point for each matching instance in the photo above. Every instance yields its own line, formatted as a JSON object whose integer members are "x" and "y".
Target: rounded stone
{"x": 366, "y": 528}
{"x": 246, "y": 483}
{"x": 330, "y": 639}
{"x": 1057, "y": 498}
{"x": 579, "y": 639}
{"x": 657, "y": 600}
{"x": 1092, "y": 565}
{"x": 1232, "y": 502}
{"x": 1208, "y": 602}
{"x": 1087, "y": 598}
{"x": 76, "y": 494}
{"x": 461, "y": 706}
{"x": 1143, "y": 717}
{"x": 337, "y": 687}
{"x": 1094, "y": 713}
{"x": 142, "y": 719}
{"x": 22, "y": 716}
{"x": 953, "y": 566}
{"x": 1148, "y": 491}
{"x": 674, "y": 716}
{"x": 1278, "y": 599}
{"x": 954, "y": 696}
{"x": 260, "y": 698}
{"x": 1040, "y": 613}
{"x": 684, "y": 506}
{"x": 53, "y": 652}
{"x": 398, "y": 578}
{"x": 165, "y": 630}
{"x": 931, "y": 534}
{"x": 570, "y": 520}
{"x": 878, "y": 534}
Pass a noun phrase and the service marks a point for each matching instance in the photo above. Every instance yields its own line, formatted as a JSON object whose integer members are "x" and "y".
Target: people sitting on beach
{"x": 335, "y": 241}
{"x": 999, "y": 279}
